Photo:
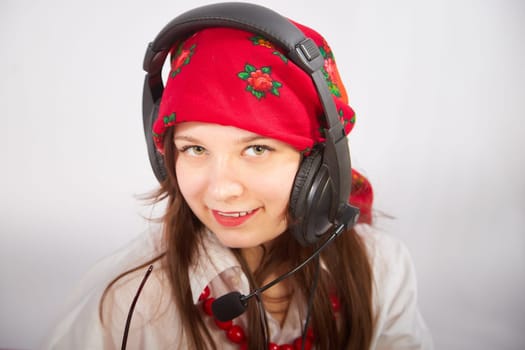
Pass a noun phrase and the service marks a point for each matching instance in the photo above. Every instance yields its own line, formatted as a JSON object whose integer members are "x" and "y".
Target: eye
{"x": 257, "y": 150}
{"x": 193, "y": 150}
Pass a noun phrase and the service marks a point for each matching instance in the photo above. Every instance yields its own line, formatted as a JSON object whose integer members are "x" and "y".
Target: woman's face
{"x": 236, "y": 182}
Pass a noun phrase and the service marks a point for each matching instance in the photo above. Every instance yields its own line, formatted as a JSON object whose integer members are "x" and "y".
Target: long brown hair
{"x": 349, "y": 276}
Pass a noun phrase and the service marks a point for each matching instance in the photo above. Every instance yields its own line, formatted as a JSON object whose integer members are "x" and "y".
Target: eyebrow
{"x": 248, "y": 139}
{"x": 185, "y": 138}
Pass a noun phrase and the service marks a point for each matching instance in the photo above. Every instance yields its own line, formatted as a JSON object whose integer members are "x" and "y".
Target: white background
{"x": 439, "y": 90}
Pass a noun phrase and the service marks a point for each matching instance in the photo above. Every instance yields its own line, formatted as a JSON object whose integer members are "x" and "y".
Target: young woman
{"x": 236, "y": 121}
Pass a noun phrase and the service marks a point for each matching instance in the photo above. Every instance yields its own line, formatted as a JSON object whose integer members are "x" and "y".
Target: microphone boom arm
{"x": 336, "y": 233}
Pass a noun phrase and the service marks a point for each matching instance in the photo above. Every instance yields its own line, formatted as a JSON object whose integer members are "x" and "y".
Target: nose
{"x": 225, "y": 181}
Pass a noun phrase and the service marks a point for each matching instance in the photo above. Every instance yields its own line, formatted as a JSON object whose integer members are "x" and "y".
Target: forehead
{"x": 190, "y": 130}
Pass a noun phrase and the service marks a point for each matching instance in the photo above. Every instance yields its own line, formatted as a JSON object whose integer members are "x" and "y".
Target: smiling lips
{"x": 233, "y": 218}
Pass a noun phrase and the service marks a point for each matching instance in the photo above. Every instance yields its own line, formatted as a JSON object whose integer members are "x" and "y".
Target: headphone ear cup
{"x": 302, "y": 182}
{"x": 310, "y": 200}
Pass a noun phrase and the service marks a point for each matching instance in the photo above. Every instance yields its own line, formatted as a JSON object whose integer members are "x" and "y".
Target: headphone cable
{"x": 132, "y": 308}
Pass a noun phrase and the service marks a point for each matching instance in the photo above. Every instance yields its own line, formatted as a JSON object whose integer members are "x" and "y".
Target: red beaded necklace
{"x": 236, "y": 334}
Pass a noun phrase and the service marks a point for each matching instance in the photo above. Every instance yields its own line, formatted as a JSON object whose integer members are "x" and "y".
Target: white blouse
{"x": 155, "y": 322}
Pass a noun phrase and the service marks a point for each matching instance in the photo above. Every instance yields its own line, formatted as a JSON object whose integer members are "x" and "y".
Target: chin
{"x": 237, "y": 242}
{"x": 244, "y": 239}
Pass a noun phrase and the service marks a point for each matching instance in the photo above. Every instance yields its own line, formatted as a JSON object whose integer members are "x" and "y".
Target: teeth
{"x": 235, "y": 215}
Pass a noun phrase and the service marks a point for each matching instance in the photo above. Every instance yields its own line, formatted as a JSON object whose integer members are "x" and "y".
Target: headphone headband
{"x": 253, "y": 18}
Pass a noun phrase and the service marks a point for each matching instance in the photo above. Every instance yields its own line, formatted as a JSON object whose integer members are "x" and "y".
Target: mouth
{"x": 233, "y": 218}
{"x": 235, "y": 214}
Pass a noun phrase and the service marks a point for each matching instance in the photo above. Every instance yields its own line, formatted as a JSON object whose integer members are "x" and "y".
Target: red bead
{"x": 224, "y": 325}
{"x": 286, "y": 347}
{"x": 299, "y": 342}
{"x": 206, "y": 306}
{"x": 336, "y": 305}
{"x": 236, "y": 334}
{"x": 205, "y": 294}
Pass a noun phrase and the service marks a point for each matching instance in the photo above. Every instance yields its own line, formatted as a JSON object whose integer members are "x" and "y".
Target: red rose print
{"x": 179, "y": 61}
{"x": 182, "y": 58}
{"x": 329, "y": 66}
{"x": 260, "y": 81}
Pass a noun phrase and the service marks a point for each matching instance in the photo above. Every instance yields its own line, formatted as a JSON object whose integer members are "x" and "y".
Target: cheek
{"x": 189, "y": 183}
{"x": 276, "y": 187}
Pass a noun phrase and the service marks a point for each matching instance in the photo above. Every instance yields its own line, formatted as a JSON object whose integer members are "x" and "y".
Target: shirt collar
{"x": 213, "y": 259}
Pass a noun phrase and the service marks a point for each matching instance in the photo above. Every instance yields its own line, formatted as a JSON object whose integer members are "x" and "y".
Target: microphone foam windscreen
{"x": 228, "y": 306}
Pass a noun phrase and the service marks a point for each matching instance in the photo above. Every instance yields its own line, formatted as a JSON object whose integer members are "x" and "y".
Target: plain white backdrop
{"x": 439, "y": 91}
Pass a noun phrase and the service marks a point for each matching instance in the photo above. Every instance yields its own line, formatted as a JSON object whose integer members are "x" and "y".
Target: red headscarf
{"x": 236, "y": 78}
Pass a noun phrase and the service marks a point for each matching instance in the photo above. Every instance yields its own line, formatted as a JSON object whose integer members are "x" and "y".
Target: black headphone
{"x": 319, "y": 198}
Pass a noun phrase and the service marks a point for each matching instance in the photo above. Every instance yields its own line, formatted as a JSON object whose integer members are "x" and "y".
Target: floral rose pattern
{"x": 157, "y": 138}
{"x": 344, "y": 120}
{"x": 329, "y": 70}
{"x": 259, "y": 40}
{"x": 259, "y": 81}
{"x": 181, "y": 58}
{"x": 169, "y": 120}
